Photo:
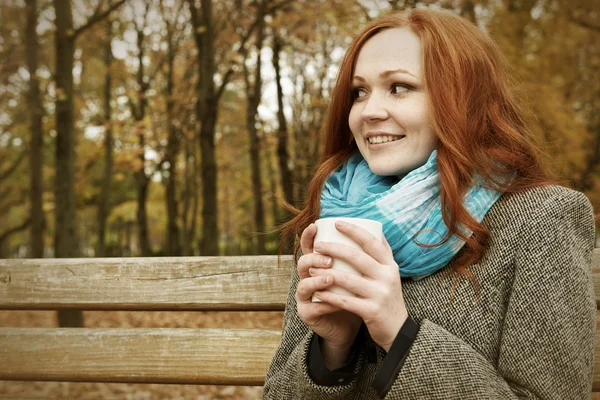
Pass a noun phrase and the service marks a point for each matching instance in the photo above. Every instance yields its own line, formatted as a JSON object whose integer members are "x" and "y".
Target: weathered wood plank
{"x": 184, "y": 356}
{"x": 596, "y": 381}
{"x": 159, "y": 355}
{"x": 596, "y": 275}
{"x": 177, "y": 283}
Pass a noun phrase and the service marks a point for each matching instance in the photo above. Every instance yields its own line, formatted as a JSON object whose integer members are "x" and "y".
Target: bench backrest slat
{"x": 138, "y": 355}
{"x": 179, "y": 283}
{"x": 167, "y": 284}
{"x": 157, "y": 355}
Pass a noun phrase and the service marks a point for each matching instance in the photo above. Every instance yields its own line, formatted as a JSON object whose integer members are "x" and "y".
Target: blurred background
{"x": 139, "y": 128}
{"x": 179, "y": 127}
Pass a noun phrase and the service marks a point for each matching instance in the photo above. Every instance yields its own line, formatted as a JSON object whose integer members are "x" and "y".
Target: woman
{"x": 494, "y": 298}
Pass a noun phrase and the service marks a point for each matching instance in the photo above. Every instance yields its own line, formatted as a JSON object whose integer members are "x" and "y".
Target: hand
{"x": 379, "y": 300}
{"x": 337, "y": 327}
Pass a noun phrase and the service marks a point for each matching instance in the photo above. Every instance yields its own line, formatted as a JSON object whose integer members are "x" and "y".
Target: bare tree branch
{"x": 7, "y": 206}
{"x": 14, "y": 230}
{"x": 13, "y": 167}
{"x": 97, "y": 17}
{"x": 585, "y": 24}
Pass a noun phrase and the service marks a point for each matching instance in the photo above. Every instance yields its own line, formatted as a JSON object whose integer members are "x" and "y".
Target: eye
{"x": 358, "y": 93}
{"x": 400, "y": 88}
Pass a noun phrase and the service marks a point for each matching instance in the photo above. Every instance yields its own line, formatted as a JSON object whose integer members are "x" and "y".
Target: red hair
{"x": 474, "y": 112}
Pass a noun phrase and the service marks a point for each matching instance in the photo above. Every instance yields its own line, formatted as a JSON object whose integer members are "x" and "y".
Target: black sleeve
{"x": 394, "y": 359}
{"x": 340, "y": 376}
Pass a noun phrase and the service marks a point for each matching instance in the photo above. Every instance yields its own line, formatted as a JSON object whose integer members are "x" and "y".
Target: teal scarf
{"x": 409, "y": 209}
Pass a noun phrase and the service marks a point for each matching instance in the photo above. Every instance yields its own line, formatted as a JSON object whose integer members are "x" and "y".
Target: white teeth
{"x": 383, "y": 139}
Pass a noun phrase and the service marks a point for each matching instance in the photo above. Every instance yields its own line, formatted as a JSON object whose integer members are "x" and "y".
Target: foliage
{"x": 552, "y": 48}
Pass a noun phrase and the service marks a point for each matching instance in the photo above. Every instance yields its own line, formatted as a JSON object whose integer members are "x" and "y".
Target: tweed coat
{"x": 529, "y": 334}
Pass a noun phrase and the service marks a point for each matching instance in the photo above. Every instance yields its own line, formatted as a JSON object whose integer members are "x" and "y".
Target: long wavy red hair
{"x": 474, "y": 112}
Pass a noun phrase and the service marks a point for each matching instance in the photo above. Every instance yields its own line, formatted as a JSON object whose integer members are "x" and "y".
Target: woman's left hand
{"x": 379, "y": 300}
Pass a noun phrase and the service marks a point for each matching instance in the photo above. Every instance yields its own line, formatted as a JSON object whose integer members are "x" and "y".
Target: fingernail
{"x": 326, "y": 260}
{"x": 311, "y": 271}
{"x": 326, "y": 279}
{"x": 318, "y": 246}
{"x": 341, "y": 224}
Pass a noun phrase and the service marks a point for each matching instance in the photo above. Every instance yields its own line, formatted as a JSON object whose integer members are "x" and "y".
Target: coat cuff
{"x": 321, "y": 375}
{"x": 394, "y": 359}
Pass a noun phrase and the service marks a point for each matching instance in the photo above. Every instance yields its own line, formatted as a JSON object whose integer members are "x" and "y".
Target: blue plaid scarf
{"x": 409, "y": 209}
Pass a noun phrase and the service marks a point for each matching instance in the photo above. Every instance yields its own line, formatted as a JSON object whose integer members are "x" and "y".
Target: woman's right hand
{"x": 337, "y": 328}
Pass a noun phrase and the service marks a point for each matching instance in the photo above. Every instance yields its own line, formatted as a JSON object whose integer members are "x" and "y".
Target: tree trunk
{"x": 173, "y": 243}
{"x": 36, "y": 146}
{"x": 188, "y": 187}
{"x": 190, "y": 197}
{"x": 253, "y": 91}
{"x": 141, "y": 214}
{"x": 468, "y": 11}
{"x": 195, "y": 199}
{"x": 128, "y": 238}
{"x": 586, "y": 183}
{"x": 103, "y": 206}
{"x": 210, "y": 233}
{"x": 271, "y": 161}
{"x": 66, "y": 241}
{"x": 206, "y": 110}
{"x": 143, "y": 181}
{"x": 228, "y": 234}
{"x": 283, "y": 155}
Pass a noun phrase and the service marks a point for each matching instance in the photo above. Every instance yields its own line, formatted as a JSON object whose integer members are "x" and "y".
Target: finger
{"x": 355, "y": 305}
{"x": 312, "y": 260}
{"x": 387, "y": 245}
{"x": 363, "y": 263}
{"x": 308, "y": 286}
{"x": 307, "y": 239}
{"x": 356, "y": 284}
{"x": 364, "y": 239}
{"x": 311, "y": 312}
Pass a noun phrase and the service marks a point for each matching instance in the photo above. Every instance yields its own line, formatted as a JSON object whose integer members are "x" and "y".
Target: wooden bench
{"x": 151, "y": 355}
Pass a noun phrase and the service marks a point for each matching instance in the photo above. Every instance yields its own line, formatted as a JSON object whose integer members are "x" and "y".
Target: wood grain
{"x": 153, "y": 355}
{"x": 177, "y": 283}
{"x": 159, "y": 284}
{"x": 141, "y": 355}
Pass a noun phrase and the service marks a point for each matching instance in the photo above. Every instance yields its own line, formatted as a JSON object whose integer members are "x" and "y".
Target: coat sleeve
{"x": 547, "y": 339}
{"x": 287, "y": 376}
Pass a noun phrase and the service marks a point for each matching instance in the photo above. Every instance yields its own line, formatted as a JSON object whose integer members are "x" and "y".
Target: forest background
{"x": 171, "y": 127}
{"x": 177, "y": 127}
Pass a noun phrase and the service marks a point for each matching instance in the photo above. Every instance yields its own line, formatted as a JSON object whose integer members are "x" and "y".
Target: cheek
{"x": 422, "y": 124}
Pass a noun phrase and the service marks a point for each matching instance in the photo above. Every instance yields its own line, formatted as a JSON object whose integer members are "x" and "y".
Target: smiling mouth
{"x": 383, "y": 139}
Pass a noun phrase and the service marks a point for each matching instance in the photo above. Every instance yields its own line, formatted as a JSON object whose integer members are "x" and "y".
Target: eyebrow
{"x": 386, "y": 74}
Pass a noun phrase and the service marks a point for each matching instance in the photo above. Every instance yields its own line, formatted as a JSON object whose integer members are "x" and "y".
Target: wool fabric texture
{"x": 409, "y": 210}
{"x": 527, "y": 333}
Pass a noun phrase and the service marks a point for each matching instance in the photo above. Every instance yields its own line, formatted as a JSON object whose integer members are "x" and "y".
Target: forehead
{"x": 396, "y": 48}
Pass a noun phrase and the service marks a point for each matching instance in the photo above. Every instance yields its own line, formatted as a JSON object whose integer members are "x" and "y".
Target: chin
{"x": 387, "y": 171}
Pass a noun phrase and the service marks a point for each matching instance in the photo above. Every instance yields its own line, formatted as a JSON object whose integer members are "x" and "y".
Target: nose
{"x": 374, "y": 108}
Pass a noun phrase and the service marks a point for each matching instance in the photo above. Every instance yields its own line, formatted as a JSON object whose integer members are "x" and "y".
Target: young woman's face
{"x": 389, "y": 117}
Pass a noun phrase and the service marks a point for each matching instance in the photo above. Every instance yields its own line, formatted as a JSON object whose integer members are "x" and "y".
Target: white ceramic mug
{"x": 327, "y": 232}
